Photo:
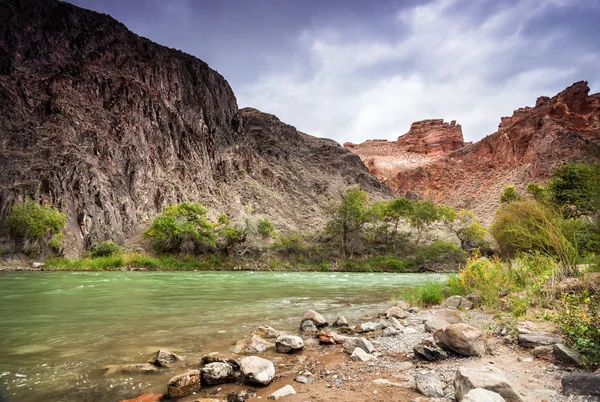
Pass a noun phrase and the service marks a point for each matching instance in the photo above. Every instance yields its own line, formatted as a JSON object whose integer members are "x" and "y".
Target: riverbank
{"x": 523, "y": 359}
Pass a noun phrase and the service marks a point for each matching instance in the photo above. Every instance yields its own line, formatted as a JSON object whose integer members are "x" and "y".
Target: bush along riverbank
{"x": 452, "y": 351}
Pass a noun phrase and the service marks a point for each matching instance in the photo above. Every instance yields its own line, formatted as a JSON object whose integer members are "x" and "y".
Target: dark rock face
{"x": 111, "y": 127}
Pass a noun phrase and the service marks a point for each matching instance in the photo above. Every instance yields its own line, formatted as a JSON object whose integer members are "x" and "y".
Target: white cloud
{"x": 448, "y": 63}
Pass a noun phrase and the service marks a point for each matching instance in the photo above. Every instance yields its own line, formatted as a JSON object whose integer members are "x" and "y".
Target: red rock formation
{"x": 527, "y": 147}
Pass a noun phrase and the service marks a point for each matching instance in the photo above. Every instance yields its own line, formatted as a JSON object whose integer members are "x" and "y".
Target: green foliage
{"x": 105, "y": 249}
{"x": 349, "y": 217}
{"x": 538, "y": 192}
{"x": 427, "y": 294}
{"x": 469, "y": 230}
{"x": 265, "y": 228}
{"x": 576, "y": 187}
{"x": 528, "y": 225}
{"x": 422, "y": 215}
{"x": 182, "y": 228}
{"x": 510, "y": 195}
{"x": 135, "y": 260}
{"x": 440, "y": 251}
{"x": 579, "y": 320}
{"x": 35, "y": 228}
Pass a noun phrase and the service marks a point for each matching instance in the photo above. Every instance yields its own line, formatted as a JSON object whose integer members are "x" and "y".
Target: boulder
{"x": 367, "y": 327}
{"x": 256, "y": 370}
{"x": 217, "y": 357}
{"x": 532, "y": 340}
{"x": 448, "y": 315}
{"x": 217, "y": 373}
{"x": 391, "y": 322}
{"x": 184, "y": 384}
{"x": 164, "y": 357}
{"x": 352, "y": 343}
{"x": 266, "y": 332}
{"x": 340, "y": 321}
{"x": 433, "y": 324}
{"x": 461, "y": 339}
{"x": 396, "y": 312}
{"x": 252, "y": 344}
{"x": 565, "y": 354}
{"x": 429, "y": 385}
{"x": 429, "y": 351}
{"x": 581, "y": 384}
{"x": 289, "y": 344}
{"x": 360, "y": 355}
{"x": 390, "y": 331}
{"x": 315, "y": 317}
{"x": 281, "y": 392}
{"x": 482, "y": 395}
{"x": 469, "y": 378}
{"x": 308, "y": 327}
{"x": 326, "y": 338}
{"x": 457, "y": 302}
{"x": 402, "y": 304}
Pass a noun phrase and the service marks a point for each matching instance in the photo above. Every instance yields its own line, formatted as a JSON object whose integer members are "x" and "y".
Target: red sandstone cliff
{"x": 527, "y": 147}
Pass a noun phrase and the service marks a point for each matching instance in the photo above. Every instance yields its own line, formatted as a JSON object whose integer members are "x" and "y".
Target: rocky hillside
{"x": 527, "y": 147}
{"x": 111, "y": 127}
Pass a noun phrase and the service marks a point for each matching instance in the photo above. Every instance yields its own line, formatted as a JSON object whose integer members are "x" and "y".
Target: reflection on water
{"x": 60, "y": 329}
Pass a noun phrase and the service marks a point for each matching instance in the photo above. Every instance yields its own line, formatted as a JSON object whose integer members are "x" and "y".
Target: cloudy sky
{"x": 358, "y": 69}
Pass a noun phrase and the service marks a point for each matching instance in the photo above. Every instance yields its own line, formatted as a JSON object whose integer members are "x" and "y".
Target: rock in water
{"x": 429, "y": 385}
{"x": 352, "y": 343}
{"x": 315, "y": 317}
{"x": 217, "y": 373}
{"x": 340, "y": 321}
{"x": 164, "y": 358}
{"x": 257, "y": 370}
{"x": 360, "y": 355}
{"x": 184, "y": 384}
{"x": 495, "y": 381}
{"x": 266, "y": 332}
{"x": 308, "y": 327}
{"x": 462, "y": 339}
{"x": 581, "y": 384}
{"x": 289, "y": 344}
{"x": 482, "y": 395}
{"x": 281, "y": 392}
{"x": 141, "y": 368}
{"x": 252, "y": 344}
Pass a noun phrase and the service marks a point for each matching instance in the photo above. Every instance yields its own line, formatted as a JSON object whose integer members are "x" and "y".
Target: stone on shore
{"x": 391, "y": 322}
{"x": 429, "y": 385}
{"x": 402, "y": 304}
{"x": 352, "y": 343}
{"x": 308, "y": 327}
{"x": 429, "y": 351}
{"x": 461, "y": 339}
{"x": 289, "y": 344}
{"x": 390, "y": 331}
{"x": 281, "y": 392}
{"x": 448, "y": 315}
{"x": 433, "y": 324}
{"x": 164, "y": 357}
{"x": 542, "y": 351}
{"x": 184, "y": 384}
{"x": 256, "y": 370}
{"x": 217, "y": 357}
{"x": 241, "y": 396}
{"x": 533, "y": 340}
{"x": 396, "y": 312}
{"x": 315, "y": 317}
{"x": 482, "y": 395}
{"x": 217, "y": 373}
{"x": 266, "y": 332}
{"x": 495, "y": 381}
{"x": 340, "y": 321}
{"x": 565, "y": 354}
{"x": 367, "y": 327}
{"x": 581, "y": 384}
{"x": 457, "y": 302}
{"x": 252, "y": 344}
{"x": 360, "y": 355}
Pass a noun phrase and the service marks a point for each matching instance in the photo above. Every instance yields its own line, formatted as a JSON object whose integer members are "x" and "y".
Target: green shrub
{"x": 440, "y": 250}
{"x": 427, "y": 294}
{"x": 265, "y": 228}
{"x": 105, "y": 249}
{"x": 36, "y": 228}
{"x": 579, "y": 321}
{"x": 291, "y": 245}
{"x": 509, "y": 195}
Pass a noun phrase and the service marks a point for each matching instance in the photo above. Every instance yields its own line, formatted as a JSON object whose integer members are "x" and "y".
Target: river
{"x": 60, "y": 330}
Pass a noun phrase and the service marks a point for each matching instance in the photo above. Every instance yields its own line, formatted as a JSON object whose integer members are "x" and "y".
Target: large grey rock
{"x": 482, "y": 395}
{"x": 390, "y": 331}
{"x": 289, "y": 344}
{"x": 367, "y": 327}
{"x": 315, "y": 317}
{"x": 218, "y": 357}
{"x": 256, "y": 370}
{"x": 433, "y": 324}
{"x": 360, "y": 355}
{"x": 457, "y": 302}
{"x": 217, "y": 373}
{"x": 340, "y": 321}
{"x": 352, "y": 343}
{"x": 396, "y": 312}
{"x": 565, "y": 354}
{"x": 252, "y": 344}
{"x": 184, "y": 384}
{"x": 390, "y": 323}
{"x": 469, "y": 378}
{"x": 462, "y": 339}
{"x": 281, "y": 392}
{"x": 429, "y": 351}
{"x": 308, "y": 327}
{"x": 542, "y": 351}
{"x": 533, "y": 340}
{"x": 448, "y": 315}
{"x": 581, "y": 384}
{"x": 164, "y": 357}
{"x": 429, "y": 385}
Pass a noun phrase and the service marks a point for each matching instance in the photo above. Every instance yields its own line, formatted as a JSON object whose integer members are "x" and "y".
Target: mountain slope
{"x": 111, "y": 127}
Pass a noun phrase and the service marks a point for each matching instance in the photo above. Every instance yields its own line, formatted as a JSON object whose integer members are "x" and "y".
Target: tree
{"x": 509, "y": 195}
{"x": 422, "y": 215}
{"x": 390, "y": 214}
{"x": 537, "y": 192}
{"x": 349, "y": 217}
{"x": 36, "y": 229}
{"x": 575, "y": 188}
{"x": 469, "y": 230}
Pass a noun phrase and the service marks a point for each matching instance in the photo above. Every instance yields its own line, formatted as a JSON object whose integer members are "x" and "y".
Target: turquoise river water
{"x": 59, "y": 331}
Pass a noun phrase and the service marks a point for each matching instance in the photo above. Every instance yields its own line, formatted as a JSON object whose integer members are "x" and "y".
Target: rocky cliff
{"x": 527, "y": 147}
{"x": 425, "y": 141}
{"x": 111, "y": 127}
